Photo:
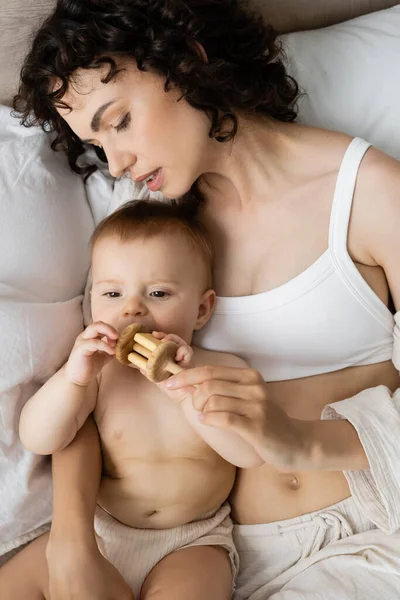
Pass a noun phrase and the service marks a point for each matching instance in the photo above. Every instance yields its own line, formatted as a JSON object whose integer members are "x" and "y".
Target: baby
{"x": 166, "y": 476}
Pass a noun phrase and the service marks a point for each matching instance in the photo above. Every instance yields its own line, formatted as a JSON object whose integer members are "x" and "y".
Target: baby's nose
{"x": 135, "y": 307}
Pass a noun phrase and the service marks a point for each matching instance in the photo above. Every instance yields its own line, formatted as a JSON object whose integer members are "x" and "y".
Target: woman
{"x": 194, "y": 95}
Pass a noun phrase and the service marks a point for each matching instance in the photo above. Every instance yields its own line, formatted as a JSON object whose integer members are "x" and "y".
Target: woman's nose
{"x": 119, "y": 161}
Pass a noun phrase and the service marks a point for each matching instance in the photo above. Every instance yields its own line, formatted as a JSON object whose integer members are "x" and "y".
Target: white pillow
{"x": 350, "y": 73}
{"x": 45, "y": 225}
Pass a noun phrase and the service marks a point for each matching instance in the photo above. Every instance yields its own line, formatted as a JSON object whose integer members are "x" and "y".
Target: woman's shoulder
{"x": 377, "y": 193}
{"x": 378, "y": 172}
{"x": 375, "y": 216}
{"x": 321, "y": 150}
{"x": 373, "y": 236}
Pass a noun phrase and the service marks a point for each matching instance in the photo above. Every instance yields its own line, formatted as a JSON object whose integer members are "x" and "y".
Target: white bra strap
{"x": 343, "y": 196}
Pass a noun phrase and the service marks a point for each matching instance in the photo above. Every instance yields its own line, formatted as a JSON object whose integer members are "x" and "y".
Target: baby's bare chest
{"x": 137, "y": 421}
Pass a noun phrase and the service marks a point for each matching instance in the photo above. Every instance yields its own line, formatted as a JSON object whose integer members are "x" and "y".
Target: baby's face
{"x": 158, "y": 282}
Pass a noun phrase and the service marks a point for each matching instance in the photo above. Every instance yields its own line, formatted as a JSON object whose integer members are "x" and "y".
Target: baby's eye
{"x": 159, "y": 294}
{"x": 112, "y": 294}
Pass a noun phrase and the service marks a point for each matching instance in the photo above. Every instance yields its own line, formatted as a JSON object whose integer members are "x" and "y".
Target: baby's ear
{"x": 206, "y": 308}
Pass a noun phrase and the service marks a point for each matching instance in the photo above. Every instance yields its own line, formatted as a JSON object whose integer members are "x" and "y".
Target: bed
{"x": 350, "y": 74}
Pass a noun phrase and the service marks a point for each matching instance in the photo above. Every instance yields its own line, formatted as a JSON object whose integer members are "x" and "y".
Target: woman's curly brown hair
{"x": 243, "y": 71}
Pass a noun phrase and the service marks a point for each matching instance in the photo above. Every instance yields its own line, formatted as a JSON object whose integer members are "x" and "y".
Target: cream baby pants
{"x": 134, "y": 552}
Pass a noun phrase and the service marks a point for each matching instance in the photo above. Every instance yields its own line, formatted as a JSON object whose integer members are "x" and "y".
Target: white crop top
{"x": 325, "y": 319}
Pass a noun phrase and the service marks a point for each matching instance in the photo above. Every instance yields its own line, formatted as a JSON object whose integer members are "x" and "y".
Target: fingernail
{"x": 170, "y": 384}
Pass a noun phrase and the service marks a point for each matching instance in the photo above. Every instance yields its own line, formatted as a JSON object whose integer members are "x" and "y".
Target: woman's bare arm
{"x": 77, "y": 569}
{"x": 76, "y": 481}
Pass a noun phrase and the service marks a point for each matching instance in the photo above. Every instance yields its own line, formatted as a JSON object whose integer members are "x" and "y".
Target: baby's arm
{"x": 227, "y": 444}
{"x": 52, "y": 417}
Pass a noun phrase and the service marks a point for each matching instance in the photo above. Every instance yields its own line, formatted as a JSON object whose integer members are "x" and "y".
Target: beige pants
{"x": 134, "y": 552}
{"x": 331, "y": 554}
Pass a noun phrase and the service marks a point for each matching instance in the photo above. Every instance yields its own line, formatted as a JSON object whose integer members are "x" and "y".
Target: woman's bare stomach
{"x": 264, "y": 494}
{"x": 160, "y": 494}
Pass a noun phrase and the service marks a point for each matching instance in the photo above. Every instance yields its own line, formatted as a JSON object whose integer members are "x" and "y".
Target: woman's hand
{"x": 93, "y": 348}
{"x": 77, "y": 572}
{"x": 237, "y": 399}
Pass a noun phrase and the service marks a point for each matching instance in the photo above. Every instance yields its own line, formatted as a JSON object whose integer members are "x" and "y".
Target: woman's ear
{"x": 201, "y": 52}
{"x": 206, "y": 308}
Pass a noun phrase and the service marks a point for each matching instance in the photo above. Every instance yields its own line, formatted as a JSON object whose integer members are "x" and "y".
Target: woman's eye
{"x": 159, "y": 294}
{"x": 112, "y": 294}
{"x": 124, "y": 124}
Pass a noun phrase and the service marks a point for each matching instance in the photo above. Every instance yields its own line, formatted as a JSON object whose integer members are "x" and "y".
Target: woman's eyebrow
{"x": 95, "y": 123}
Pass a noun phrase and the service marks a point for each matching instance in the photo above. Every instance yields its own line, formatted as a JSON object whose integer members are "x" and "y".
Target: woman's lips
{"x": 156, "y": 182}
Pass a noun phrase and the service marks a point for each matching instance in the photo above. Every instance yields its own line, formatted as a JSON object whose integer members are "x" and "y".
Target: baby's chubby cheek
{"x": 104, "y": 317}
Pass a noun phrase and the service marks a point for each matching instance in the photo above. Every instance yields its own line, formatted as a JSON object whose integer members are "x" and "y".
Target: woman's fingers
{"x": 181, "y": 395}
{"x": 225, "y": 420}
{"x": 226, "y": 404}
{"x": 200, "y": 375}
{"x": 207, "y": 394}
{"x": 239, "y": 424}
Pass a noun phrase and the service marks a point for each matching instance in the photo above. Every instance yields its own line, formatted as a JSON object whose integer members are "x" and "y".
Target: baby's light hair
{"x": 144, "y": 219}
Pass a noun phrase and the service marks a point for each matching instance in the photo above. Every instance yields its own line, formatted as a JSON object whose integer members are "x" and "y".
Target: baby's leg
{"x": 25, "y": 576}
{"x": 195, "y": 573}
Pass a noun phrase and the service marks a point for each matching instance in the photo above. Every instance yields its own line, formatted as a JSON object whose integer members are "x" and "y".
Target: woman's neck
{"x": 256, "y": 161}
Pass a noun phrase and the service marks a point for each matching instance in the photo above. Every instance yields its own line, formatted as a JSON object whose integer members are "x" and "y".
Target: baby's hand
{"x": 184, "y": 357}
{"x": 184, "y": 353}
{"x": 93, "y": 349}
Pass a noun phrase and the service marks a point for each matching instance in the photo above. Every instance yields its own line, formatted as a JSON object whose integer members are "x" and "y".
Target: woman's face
{"x": 143, "y": 130}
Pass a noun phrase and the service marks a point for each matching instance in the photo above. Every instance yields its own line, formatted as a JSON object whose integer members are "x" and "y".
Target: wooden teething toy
{"x": 155, "y": 357}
